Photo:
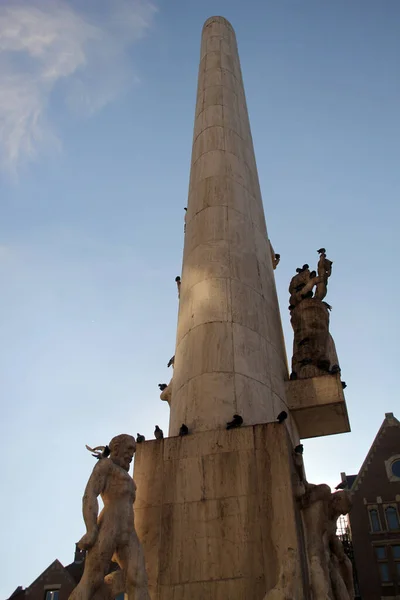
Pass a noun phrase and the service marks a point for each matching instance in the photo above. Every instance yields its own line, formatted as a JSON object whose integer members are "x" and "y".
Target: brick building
{"x": 375, "y": 516}
{"x": 55, "y": 583}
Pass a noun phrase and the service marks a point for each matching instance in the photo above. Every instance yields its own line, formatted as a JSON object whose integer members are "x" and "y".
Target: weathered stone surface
{"x": 112, "y": 535}
{"x": 224, "y": 519}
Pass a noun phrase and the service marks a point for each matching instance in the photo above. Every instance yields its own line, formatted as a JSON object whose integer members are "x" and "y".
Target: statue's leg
{"x": 97, "y": 563}
{"x": 112, "y": 586}
{"x": 130, "y": 558}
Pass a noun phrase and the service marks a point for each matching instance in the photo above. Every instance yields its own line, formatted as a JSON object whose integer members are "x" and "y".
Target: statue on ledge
{"x": 111, "y": 535}
{"x": 314, "y": 352}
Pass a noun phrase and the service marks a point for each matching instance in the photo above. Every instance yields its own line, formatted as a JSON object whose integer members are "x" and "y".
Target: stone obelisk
{"x": 228, "y": 514}
{"x": 230, "y": 355}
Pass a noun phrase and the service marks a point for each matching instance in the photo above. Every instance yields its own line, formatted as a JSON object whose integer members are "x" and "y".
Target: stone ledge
{"x": 318, "y": 406}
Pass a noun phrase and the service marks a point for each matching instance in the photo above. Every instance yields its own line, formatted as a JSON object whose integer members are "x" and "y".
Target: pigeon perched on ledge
{"x": 282, "y": 416}
{"x": 184, "y": 430}
{"x": 237, "y": 421}
{"x": 140, "y": 438}
{"x": 158, "y": 433}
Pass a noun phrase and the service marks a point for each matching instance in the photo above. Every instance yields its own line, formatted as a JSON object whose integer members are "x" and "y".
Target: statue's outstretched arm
{"x": 90, "y": 505}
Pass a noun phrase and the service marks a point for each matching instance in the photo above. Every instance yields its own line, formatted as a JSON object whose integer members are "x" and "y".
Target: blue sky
{"x": 96, "y": 120}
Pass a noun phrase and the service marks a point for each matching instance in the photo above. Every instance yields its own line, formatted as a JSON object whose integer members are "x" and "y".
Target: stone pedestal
{"x": 216, "y": 514}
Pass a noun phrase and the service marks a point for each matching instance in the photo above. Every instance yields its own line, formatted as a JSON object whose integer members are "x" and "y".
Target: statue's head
{"x": 122, "y": 448}
{"x": 341, "y": 502}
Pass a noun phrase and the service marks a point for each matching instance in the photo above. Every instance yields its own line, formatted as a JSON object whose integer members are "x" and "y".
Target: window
{"x": 52, "y": 594}
{"x": 392, "y": 518}
{"x": 380, "y": 552}
{"x": 396, "y": 552}
{"x": 396, "y": 468}
{"x": 384, "y": 572}
{"x": 374, "y": 519}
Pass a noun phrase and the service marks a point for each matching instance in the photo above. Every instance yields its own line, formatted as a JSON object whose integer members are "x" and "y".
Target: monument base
{"x": 216, "y": 514}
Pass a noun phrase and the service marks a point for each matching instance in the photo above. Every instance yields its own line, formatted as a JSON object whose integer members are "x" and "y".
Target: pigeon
{"x": 278, "y": 256}
{"x": 282, "y": 416}
{"x": 344, "y": 385}
{"x": 99, "y": 451}
{"x": 291, "y": 306}
{"x": 305, "y": 267}
{"x": 183, "y": 430}
{"x": 293, "y": 376}
{"x": 140, "y": 438}
{"x": 304, "y": 341}
{"x": 309, "y": 294}
{"x": 313, "y": 274}
{"x": 328, "y": 306}
{"x": 162, "y": 386}
{"x": 305, "y": 361}
{"x": 178, "y": 279}
{"x": 158, "y": 433}
{"x": 299, "y": 449}
{"x": 237, "y": 421}
{"x": 298, "y": 270}
{"x": 321, "y": 251}
{"x": 335, "y": 369}
{"x": 324, "y": 365}
{"x": 171, "y": 361}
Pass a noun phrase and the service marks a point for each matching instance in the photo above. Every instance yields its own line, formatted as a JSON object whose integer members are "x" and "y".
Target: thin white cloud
{"x": 45, "y": 43}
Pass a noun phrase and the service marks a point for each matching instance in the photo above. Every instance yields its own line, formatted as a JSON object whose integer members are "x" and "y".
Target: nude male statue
{"x": 112, "y": 535}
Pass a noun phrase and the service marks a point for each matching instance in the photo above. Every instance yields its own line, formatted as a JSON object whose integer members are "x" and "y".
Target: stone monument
{"x": 224, "y": 514}
{"x": 111, "y": 535}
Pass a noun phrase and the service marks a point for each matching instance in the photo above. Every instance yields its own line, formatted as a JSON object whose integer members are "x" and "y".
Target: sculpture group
{"x": 314, "y": 352}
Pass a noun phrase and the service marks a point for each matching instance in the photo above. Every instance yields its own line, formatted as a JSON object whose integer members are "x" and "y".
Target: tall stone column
{"x": 230, "y": 355}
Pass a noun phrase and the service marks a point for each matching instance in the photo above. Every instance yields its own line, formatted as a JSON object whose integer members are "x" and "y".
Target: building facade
{"x": 375, "y": 516}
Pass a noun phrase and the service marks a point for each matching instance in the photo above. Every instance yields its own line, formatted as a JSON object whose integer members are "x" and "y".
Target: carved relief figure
{"x": 112, "y": 535}
{"x": 329, "y": 568}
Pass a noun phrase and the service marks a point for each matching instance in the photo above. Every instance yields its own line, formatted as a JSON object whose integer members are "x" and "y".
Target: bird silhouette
{"x": 293, "y": 376}
{"x": 171, "y": 361}
{"x": 99, "y": 451}
{"x": 158, "y": 433}
{"x": 162, "y": 386}
{"x": 177, "y": 279}
{"x": 237, "y": 421}
{"x": 184, "y": 430}
{"x": 321, "y": 251}
{"x": 324, "y": 365}
{"x": 140, "y": 438}
{"x": 282, "y": 416}
{"x": 305, "y": 361}
{"x": 309, "y": 294}
{"x": 344, "y": 385}
{"x": 328, "y": 306}
{"x": 299, "y": 449}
